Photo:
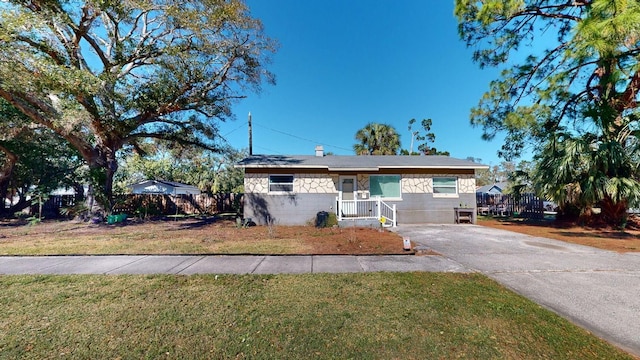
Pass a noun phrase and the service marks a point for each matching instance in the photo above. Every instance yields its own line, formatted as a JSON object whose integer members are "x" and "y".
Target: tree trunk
{"x": 19, "y": 206}
{"x": 78, "y": 189}
{"x": 5, "y": 175}
{"x": 614, "y": 213}
{"x": 103, "y": 166}
{"x": 112, "y": 167}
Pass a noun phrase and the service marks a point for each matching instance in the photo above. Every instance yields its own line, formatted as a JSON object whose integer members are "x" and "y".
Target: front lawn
{"x": 190, "y": 236}
{"x": 326, "y": 316}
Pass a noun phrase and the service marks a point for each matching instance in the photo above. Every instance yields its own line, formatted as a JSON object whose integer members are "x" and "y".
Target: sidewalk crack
{"x": 257, "y": 265}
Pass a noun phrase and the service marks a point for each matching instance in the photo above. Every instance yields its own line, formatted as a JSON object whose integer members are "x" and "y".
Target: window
{"x": 280, "y": 183}
{"x": 445, "y": 186}
{"x": 385, "y": 186}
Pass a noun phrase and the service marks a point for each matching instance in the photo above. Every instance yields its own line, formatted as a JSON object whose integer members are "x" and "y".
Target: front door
{"x": 348, "y": 187}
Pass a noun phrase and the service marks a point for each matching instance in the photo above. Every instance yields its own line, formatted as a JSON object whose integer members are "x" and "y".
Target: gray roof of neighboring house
{"x": 165, "y": 182}
{"x": 355, "y": 163}
{"x": 496, "y": 188}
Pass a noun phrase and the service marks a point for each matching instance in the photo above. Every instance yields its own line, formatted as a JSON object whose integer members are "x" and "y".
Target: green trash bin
{"x": 112, "y": 219}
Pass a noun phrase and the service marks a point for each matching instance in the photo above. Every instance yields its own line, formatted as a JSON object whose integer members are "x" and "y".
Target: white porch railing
{"x": 366, "y": 209}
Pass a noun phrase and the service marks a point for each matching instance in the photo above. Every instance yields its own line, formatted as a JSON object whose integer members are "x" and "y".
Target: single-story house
{"x": 292, "y": 190}
{"x": 492, "y": 189}
{"x": 489, "y": 200}
{"x": 163, "y": 187}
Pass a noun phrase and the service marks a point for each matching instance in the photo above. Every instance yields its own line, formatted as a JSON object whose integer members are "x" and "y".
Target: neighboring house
{"x": 493, "y": 189}
{"x": 163, "y": 187}
{"x": 68, "y": 191}
{"x": 291, "y": 190}
{"x": 489, "y": 200}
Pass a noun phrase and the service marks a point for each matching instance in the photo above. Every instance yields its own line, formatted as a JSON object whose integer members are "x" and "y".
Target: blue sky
{"x": 342, "y": 64}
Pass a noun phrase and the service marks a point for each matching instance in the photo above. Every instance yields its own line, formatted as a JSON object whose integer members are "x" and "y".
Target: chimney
{"x": 319, "y": 150}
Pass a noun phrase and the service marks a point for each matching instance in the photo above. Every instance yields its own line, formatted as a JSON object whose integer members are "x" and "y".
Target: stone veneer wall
{"x": 317, "y": 192}
{"x": 323, "y": 184}
{"x": 256, "y": 183}
{"x": 423, "y": 184}
{"x": 302, "y": 183}
{"x": 315, "y": 184}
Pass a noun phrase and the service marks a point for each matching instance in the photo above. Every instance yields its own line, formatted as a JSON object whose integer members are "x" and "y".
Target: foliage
{"x": 332, "y": 220}
{"x": 211, "y": 172}
{"x": 33, "y": 220}
{"x": 520, "y": 178}
{"x": 36, "y": 160}
{"x": 12, "y": 124}
{"x": 427, "y": 137}
{"x": 74, "y": 211}
{"x": 499, "y": 173}
{"x": 377, "y": 139}
{"x": 577, "y": 88}
{"x": 591, "y": 62}
{"x": 108, "y": 75}
{"x": 586, "y": 172}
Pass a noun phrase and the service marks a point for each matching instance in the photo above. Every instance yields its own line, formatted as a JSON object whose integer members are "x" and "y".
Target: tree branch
{"x": 35, "y": 109}
{"x": 172, "y": 137}
{"x": 628, "y": 99}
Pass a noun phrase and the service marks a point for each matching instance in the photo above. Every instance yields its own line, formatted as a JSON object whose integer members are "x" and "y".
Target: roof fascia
{"x": 457, "y": 167}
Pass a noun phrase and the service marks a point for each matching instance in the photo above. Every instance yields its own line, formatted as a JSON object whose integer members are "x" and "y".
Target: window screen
{"x": 280, "y": 183}
{"x": 445, "y": 185}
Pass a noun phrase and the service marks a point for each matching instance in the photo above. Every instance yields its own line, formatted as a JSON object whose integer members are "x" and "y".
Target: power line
{"x": 301, "y": 138}
{"x": 234, "y": 130}
{"x": 271, "y": 151}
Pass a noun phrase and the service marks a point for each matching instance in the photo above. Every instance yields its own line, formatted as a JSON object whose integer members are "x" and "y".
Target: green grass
{"x": 364, "y": 316}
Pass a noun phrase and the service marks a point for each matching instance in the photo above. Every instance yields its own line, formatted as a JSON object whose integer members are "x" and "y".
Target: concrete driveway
{"x": 596, "y": 289}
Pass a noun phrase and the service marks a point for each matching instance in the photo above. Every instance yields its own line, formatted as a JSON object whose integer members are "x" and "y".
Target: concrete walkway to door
{"x": 596, "y": 289}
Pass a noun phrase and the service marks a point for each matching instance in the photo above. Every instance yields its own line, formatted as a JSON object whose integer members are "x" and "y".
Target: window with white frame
{"x": 280, "y": 183}
{"x": 445, "y": 186}
{"x": 385, "y": 186}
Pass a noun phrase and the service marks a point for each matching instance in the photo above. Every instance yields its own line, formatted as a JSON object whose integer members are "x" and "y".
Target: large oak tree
{"x": 106, "y": 75}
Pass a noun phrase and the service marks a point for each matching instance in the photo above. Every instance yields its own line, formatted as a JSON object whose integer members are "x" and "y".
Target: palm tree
{"x": 591, "y": 170}
{"x": 377, "y": 139}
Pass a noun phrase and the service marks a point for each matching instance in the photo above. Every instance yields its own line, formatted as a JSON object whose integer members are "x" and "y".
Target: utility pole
{"x": 250, "y": 137}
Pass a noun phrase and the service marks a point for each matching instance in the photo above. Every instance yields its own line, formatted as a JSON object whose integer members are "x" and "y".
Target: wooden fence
{"x": 525, "y": 205}
{"x": 153, "y": 204}
{"x": 52, "y": 205}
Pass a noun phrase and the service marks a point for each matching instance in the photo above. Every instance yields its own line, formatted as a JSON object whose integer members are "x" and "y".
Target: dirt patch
{"x": 602, "y": 238}
{"x": 192, "y": 236}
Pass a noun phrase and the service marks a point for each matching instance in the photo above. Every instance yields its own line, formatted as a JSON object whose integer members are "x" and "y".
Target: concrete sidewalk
{"x": 219, "y": 264}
